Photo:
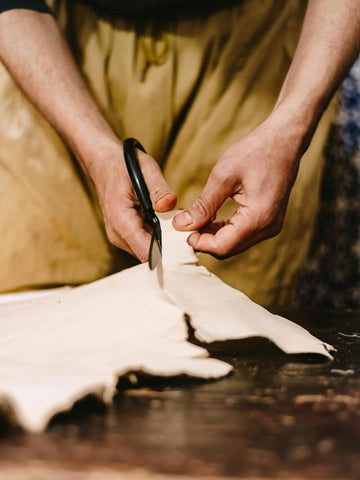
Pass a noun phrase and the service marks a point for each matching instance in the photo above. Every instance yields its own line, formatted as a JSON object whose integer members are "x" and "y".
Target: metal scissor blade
{"x": 155, "y": 252}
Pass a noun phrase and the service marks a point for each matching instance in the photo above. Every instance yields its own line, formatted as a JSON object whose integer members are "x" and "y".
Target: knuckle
{"x": 160, "y": 192}
{"x": 276, "y": 226}
{"x": 113, "y": 237}
{"x": 222, "y": 252}
{"x": 270, "y": 222}
{"x": 143, "y": 256}
{"x": 226, "y": 175}
{"x": 116, "y": 234}
{"x": 202, "y": 207}
{"x": 267, "y": 218}
{"x": 219, "y": 175}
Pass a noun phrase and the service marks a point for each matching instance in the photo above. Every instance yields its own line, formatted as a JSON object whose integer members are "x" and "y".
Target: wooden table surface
{"x": 276, "y": 416}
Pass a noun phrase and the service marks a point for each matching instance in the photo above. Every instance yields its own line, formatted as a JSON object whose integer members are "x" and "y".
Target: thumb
{"x": 162, "y": 197}
{"x": 205, "y": 206}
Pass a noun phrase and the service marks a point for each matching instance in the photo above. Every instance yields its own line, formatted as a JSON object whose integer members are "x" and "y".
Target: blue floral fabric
{"x": 331, "y": 277}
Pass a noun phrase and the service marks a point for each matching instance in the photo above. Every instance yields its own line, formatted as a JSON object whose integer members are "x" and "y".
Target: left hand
{"x": 258, "y": 173}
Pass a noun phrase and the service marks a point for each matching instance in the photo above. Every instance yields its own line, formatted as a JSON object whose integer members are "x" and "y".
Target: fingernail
{"x": 183, "y": 219}
{"x": 191, "y": 241}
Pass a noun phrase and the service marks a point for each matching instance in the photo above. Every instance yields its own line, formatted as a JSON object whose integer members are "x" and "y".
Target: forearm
{"x": 33, "y": 50}
{"x": 259, "y": 170}
{"x": 39, "y": 60}
{"x": 328, "y": 45}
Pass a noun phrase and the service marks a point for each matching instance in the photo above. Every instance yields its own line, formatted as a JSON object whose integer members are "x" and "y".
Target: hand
{"x": 123, "y": 220}
{"x": 46, "y": 71}
{"x": 258, "y": 173}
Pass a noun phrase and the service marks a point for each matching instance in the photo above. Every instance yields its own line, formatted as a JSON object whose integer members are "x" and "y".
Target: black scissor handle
{"x": 136, "y": 176}
{"x": 132, "y": 163}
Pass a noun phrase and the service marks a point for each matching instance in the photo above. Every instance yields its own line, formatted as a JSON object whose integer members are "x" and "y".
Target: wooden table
{"x": 276, "y": 416}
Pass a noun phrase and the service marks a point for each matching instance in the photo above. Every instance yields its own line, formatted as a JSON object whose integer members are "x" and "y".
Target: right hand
{"x": 124, "y": 224}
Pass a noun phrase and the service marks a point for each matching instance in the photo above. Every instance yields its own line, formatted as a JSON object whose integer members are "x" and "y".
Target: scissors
{"x": 142, "y": 192}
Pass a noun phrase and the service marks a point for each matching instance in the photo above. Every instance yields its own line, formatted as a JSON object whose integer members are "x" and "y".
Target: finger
{"x": 235, "y": 236}
{"x": 217, "y": 189}
{"x": 131, "y": 235}
{"x": 213, "y": 226}
{"x": 162, "y": 197}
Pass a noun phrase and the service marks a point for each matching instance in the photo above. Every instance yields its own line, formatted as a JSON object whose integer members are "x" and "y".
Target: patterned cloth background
{"x": 331, "y": 277}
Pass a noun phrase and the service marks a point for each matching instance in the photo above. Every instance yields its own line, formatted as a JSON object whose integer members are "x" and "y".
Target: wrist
{"x": 297, "y": 119}
{"x": 97, "y": 156}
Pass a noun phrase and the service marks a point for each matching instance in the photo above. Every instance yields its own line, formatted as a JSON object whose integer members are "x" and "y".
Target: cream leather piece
{"x": 56, "y": 349}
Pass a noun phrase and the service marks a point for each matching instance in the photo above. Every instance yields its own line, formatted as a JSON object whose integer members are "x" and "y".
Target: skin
{"x": 258, "y": 171}
{"x": 40, "y": 61}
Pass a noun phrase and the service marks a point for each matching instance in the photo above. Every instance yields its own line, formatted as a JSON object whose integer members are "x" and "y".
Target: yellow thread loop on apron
{"x": 156, "y": 52}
